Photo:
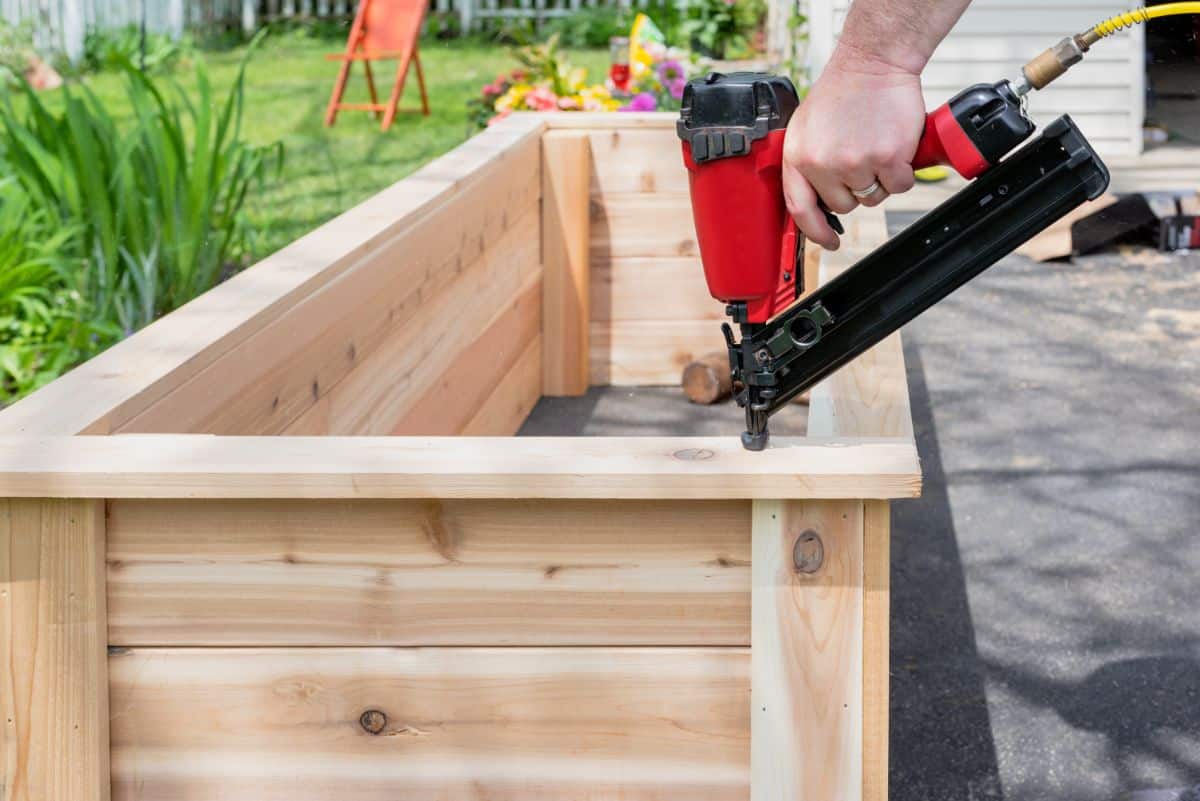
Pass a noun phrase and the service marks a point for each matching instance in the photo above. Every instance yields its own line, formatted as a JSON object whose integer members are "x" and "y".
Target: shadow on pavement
{"x": 941, "y": 736}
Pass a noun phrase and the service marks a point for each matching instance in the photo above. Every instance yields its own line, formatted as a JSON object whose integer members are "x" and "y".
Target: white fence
{"x": 62, "y": 24}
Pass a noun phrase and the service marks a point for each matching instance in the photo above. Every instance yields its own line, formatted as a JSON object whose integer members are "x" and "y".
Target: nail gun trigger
{"x": 835, "y": 223}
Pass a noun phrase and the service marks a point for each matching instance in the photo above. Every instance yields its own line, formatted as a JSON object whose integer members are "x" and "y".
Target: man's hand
{"x": 859, "y": 124}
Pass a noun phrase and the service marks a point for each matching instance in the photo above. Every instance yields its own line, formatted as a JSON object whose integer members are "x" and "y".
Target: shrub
{"x": 43, "y": 322}
{"x": 590, "y": 27}
{"x": 109, "y": 49}
{"x": 156, "y": 199}
{"x": 16, "y": 50}
{"x": 723, "y": 28}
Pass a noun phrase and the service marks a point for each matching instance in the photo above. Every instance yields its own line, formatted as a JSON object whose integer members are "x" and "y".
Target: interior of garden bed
{"x": 551, "y": 258}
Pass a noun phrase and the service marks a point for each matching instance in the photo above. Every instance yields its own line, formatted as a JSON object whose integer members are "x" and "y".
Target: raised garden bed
{"x": 237, "y": 562}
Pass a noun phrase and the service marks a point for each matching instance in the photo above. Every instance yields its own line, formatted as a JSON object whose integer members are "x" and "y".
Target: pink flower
{"x": 518, "y": 76}
{"x": 492, "y": 90}
{"x": 641, "y": 102}
{"x": 568, "y": 104}
{"x": 541, "y": 98}
{"x": 670, "y": 71}
{"x": 676, "y": 88}
{"x": 499, "y": 116}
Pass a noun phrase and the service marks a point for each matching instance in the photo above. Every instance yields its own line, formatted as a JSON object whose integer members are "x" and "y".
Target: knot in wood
{"x": 694, "y": 454}
{"x": 373, "y": 721}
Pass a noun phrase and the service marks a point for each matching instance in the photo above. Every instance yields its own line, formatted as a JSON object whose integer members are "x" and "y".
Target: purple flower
{"x": 641, "y": 102}
{"x": 671, "y": 71}
{"x": 676, "y": 88}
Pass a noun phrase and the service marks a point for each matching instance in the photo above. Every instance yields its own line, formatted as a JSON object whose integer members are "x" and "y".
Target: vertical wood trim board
{"x": 53, "y": 651}
{"x": 566, "y": 230}
{"x": 876, "y": 647}
{"x": 806, "y": 654}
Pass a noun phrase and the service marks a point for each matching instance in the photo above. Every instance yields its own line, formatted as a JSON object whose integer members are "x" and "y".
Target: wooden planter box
{"x": 224, "y": 575}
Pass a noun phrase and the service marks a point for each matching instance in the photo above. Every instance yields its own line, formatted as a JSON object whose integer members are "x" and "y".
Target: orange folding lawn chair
{"x": 382, "y": 30}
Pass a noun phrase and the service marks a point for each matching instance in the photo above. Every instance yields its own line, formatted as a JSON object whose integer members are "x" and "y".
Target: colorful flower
{"x": 540, "y": 98}
{"x": 643, "y": 101}
{"x": 499, "y": 116}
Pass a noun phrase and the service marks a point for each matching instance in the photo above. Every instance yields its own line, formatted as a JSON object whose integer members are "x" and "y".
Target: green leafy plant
{"x": 157, "y": 198}
{"x": 723, "y": 28}
{"x": 44, "y": 328}
{"x": 590, "y": 27}
{"x": 16, "y": 50}
{"x": 109, "y": 49}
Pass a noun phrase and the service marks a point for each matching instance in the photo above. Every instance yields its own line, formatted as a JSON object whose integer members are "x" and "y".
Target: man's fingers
{"x": 835, "y": 192}
{"x": 896, "y": 178}
{"x": 803, "y": 205}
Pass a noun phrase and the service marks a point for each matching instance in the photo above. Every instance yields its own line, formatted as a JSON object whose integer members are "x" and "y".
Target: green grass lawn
{"x": 328, "y": 170}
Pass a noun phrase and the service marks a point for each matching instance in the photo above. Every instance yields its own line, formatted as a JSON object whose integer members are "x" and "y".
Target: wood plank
{"x": 876, "y": 647}
{"x": 652, "y": 288}
{"x": 470, "y": 379}
{"x": 503, "y": 724}
{"x": 105, "y": 393}
{"x": 269, "y": 380}
{"x": 505, "y": 410}
{"x": 386, "y": 384}
{"x": 182, "y": 466}
{"x": 649, "y": 352}
{"x": 642, "y": 224}
{"x": 869, "y": 396}
{"x": 566, "y": 229}
{"x": 806, "y": 654}
{"x": 54, "y": 687}
{"x": 345, "y": 573}
{"x": 602, "y": 120}
{"x": 637, "y": 160}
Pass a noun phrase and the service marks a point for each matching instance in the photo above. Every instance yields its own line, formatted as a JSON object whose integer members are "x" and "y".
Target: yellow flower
{"x": 576, "y": 79}
{"x": 514, "y": 98}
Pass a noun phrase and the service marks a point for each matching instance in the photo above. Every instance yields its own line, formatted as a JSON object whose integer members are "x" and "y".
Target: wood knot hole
{"x": 808, "y": 552}
{"x": 373, "y": 721}
{"x": 694, "y": 454}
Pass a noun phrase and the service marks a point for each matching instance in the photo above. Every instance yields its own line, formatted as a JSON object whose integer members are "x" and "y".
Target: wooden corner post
{"x": 806, "y": 654}
{"x": 566, "y": 311}
{"x": 53, "y": 648}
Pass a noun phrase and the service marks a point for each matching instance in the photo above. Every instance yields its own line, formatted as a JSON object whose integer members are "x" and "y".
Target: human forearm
{"x": 896, "y": 34}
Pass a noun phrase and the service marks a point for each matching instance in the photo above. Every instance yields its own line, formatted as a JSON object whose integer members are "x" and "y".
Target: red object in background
{"x": 618, "y": 53}
{"x": 619, "y": 75}
{"x": 382, "y": 30}
{"x": 742, "y": 226}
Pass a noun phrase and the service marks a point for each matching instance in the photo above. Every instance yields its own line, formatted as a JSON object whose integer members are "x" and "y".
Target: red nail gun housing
{"x": 732, "y": 128}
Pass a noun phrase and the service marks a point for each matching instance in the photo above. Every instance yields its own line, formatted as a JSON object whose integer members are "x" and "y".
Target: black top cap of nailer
{"x": 722, "y": 114}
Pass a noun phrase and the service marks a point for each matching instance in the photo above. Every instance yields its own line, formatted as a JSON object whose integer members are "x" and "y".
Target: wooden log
{"x": 566, "y": 170}
{"x": 53, "y": 648}
{"x": 708, "y": 379}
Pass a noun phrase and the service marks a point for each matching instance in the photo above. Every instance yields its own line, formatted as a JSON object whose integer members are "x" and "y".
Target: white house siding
{"x": 1104, "y": 94}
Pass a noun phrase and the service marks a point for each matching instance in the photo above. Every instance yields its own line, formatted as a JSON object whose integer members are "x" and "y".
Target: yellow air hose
{"x": 1122, "y": 21}
{"x": 1056, "y": 60}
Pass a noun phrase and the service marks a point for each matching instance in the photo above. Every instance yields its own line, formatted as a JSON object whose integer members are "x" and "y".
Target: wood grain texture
{"x": 343, "y": 573}
{"x": 655, "y": 288}
{"x": 108, "y": 391}
{"x": 869, "y": 396}
{"x": 649, "y": 352}
{"x": 522, "y": 724}
{"x": 452, "y": 401}
{"x": 183, "y": 466}
{"x": 629, "y": 160}
{"x": 642, "y": 224}
{"x": 387, "y": 382}
{"x": 54, "y": 742}
{"x": 876, "y": 647}
{"x": 566, "y": 228}
{"x": 806, "y": 654}
{"x": 514, "y": 397}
